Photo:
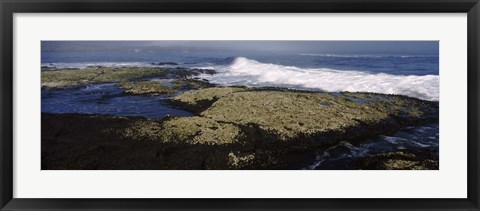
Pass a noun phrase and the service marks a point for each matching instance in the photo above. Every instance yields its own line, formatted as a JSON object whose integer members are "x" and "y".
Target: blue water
{"x": 414, "y": 139}
{"x": 106, "y": 99}
{"x": 396, "y": 64}
{"x": 401, "y": 74}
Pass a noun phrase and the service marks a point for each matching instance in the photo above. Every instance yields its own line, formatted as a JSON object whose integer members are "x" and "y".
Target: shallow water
{"x": 345, "y": 154}
{"x": 106, "y": 99}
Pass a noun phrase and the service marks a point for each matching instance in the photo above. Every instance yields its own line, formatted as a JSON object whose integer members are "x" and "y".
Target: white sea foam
{"x": 402, "y": 141}
{"x": 93, "y": 87}
{"x": 353, "y": 152}
{"x": 249, "y": 72}
{"x": 361, "y": 55}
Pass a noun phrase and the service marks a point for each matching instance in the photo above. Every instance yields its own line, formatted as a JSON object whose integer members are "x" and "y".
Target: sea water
{"x": 411, "y": 75}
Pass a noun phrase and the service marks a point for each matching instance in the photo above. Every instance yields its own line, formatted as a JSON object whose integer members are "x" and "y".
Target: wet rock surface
{"x": 400, "y": 160}
{"x": 147, "y": 87}
{"x": 235, "y": 128}
{"x": 64, "y": 78}
{"x": 81, "y": 142}
{"x": 162, "y": 87}
{"x": 200, "y": 100}
{"x": 164, "y": 63}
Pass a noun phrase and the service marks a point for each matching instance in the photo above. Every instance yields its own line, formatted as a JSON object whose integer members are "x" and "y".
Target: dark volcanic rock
{"x": 164, "y": 63}
{"x": 73, "y": 141}
{"x": 236, "y": 128}
{"x": 163, "y": 87}
{"x": 147, "y": 88}
{"x": 63, "y": 78}
{"x": 205, "y": 71}
{"x": 399, "y": 161}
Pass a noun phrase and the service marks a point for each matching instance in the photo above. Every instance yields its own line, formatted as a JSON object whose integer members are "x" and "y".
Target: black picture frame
{"x": 9, "y": 7}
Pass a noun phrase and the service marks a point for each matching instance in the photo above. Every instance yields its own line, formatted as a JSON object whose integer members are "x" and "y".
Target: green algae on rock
{"x": 289, "y": 124}
{"x": 141, "y": 130}
{"x": 245, "y": 128}
{"x": 239, "y": 161}
{"x": 291, "y": 115}
{"x": 398, "y": 161}
{"x": 191, "y": 83}
{"x": 400, "y": 105}
{"x": 65, "y": 78}
{"x": 198, "y": 101}
{"x": 199, "y": 130}
{"x": 162, "y": 87}
{"x": 147, "y": 87}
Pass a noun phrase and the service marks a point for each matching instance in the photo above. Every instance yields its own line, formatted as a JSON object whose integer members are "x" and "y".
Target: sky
{"x": 325, "y": 47}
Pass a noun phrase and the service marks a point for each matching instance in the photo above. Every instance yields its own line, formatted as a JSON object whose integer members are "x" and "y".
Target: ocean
{"x": 411, "y": 75}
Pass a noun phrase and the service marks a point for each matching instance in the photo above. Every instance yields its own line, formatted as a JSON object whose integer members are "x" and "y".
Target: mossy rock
{"x": 199, "y": 130}
{"x": 397, "y": 161}
{"x": 65, "y": 77}
{"x": 197, "y": 101}
{"x": 239, "y": 161}
{"x": 139, "y": 130}
{"x": 162, "y": 87}
{"x": 191, "y": 83}
{"x": 292, "y": 115}
{"x": 147, "y": 87}
{"x": 401, "y": 106}
{"x": 80, "y": 141}
{"x": 248, "y": 128}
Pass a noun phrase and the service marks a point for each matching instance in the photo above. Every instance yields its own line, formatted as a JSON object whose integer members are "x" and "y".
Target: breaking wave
{"x": 243, "y": 71}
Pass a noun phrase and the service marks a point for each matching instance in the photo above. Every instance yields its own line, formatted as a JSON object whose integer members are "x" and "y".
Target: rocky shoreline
{"x": 65, "y": 78}
{"x": 233, "y": 127}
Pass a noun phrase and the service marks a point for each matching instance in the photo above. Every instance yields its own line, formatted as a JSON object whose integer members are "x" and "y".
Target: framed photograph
{"x": 252, "y": 105}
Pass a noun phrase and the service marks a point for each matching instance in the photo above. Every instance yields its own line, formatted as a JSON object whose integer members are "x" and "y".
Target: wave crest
{"x": 249, "y": 72}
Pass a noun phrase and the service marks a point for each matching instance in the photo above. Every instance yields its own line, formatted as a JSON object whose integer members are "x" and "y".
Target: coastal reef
{"x": 162, "y": 87}
{"x": 64, "y": 78}
{"x": 147, "y": 87}
{"x": 233, "y": 128}
{"x": 399, "y": 161}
